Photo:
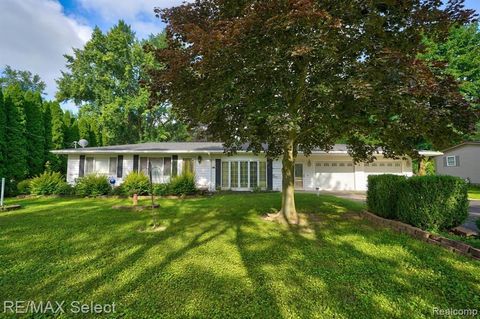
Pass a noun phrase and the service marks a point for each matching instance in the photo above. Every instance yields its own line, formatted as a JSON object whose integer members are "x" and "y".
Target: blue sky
{"x": 42, "y": 31}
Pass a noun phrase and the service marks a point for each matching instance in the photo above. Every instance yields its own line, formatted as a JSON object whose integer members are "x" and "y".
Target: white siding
{"x": 277, "y": 175}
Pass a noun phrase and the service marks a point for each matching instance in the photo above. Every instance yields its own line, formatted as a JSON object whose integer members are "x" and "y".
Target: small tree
{"x": 303, "y": 74}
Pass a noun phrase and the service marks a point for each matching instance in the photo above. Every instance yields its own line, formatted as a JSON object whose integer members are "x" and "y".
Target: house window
{"x": 187, "y": 166}
{"x": 263, "y": 175}
{"x": 113, "y": 167}
{"x": 451, "y": 161}
{"x": 234, "y": 175}
{"x": 144, "y": 165}
{"x": 89, "y": 165}
{"x": 244, "y": 174}
{"x": 253, "y": 174}
{"x": 225, "y": 174}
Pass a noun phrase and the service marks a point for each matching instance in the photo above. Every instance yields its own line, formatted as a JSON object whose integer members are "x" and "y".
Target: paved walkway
{"x": 470, "y": 223}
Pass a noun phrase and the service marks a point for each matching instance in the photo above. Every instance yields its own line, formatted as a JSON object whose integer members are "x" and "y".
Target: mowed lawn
{"x": 474, "y": 192}
{"x": 218, "y": 259}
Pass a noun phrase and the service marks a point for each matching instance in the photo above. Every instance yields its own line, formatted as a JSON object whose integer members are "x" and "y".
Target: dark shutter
{"x": 174, "y": 165}
{"x": 457, "y": 160}
{"x": 218, "y": 173}
{"x": 120, "y": 166}
{"x": 444, "y": 161}
{"x": 269, "y": 175}
{"x": 81, "y": 167}
{"x": 135, "y": 163}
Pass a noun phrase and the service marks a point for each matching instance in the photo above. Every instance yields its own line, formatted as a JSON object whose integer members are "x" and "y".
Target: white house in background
{"x": 462, "y": 160}
{"x": 214, "y": 169}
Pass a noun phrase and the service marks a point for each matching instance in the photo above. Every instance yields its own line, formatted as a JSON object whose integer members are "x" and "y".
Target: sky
{"x": 37, "y": 33}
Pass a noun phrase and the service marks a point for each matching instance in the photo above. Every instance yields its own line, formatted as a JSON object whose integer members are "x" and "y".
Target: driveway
{"x": 470, "y": 223}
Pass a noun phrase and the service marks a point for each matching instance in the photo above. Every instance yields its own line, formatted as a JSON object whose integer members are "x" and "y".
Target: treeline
{"x": 29, "y": 128}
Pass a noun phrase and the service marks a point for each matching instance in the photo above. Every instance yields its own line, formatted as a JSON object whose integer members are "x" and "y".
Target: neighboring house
{"x": 461, "y": 160}
{"x": 214, "y": 169}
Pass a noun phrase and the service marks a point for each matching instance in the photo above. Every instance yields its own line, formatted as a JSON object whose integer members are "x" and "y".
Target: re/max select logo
{"x": 56, "y": 307}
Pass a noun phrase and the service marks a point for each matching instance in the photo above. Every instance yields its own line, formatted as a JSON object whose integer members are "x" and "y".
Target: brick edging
{"x": 452, "y": 245}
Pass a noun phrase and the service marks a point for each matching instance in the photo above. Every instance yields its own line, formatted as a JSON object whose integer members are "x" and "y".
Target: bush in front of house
{"x": 49, "y": 183}
{"x": 433, "y": 202}
{"x": 136, "y": 183}
{"x": 179, "y": 185}
{"x": 23, "y": 187}
{"x": 382, "y": 194}
{"x": 92, "y": 185}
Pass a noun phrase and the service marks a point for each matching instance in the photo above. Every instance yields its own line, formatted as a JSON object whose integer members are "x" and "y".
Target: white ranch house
{"x": 244, "y": 171}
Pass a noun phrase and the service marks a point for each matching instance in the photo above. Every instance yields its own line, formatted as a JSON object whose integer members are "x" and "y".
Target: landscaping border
{"x": 452, "y": 245}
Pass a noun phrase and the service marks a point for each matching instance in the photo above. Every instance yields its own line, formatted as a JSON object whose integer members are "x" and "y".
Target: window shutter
{"x": 269, "y": 175}
{"x": 444, "y": 161}
{"x": 135, "y": 163}
{"x": 457, "y": 160}
{"x": 174, "y": 165}
{"x": 218, "y": 173}
{"x": 81, "y": 166}
{"x": 120, "y": 166}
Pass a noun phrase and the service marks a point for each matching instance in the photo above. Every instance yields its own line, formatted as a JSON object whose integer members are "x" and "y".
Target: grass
{"x": 474, "y": 192}
{"x": 218, "y": 259}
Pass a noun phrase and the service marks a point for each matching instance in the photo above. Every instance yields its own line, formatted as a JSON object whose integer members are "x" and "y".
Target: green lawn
{"x": 474, "y": 192}
{"x": 218, "y": 259}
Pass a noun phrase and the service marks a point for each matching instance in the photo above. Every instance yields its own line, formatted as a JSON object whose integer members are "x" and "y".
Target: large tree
{"x": 25, "y": 79}
{"x": 3, "y": 123}
{"x": 302, "y": 74}
{"x": 104, "y": 78}
{"x": 461, "y": 53}
{"x": 34, "y": 133}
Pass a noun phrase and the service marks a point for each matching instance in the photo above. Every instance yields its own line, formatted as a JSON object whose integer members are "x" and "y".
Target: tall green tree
{"x": 25, "y": 79}
{"x": 105, "y": 78}
{"x": 302, "y": 74}
{"x": 58, "y": 128}
{"x": 35, "y": 133}
{"x": 15, "y": 141}
{"x": 47, "y": 124}
{"x": 461, "y": 54}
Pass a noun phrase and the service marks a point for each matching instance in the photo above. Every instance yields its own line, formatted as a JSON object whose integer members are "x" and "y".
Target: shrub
{"x": 136, "y": 183}
{"x": 49, "y": 183}
{"x": 433, "y": 202}
{"x": 183, "y": 185}
{"x": 180, "y": 185}
{"x": 382, "y": 194}
{"x": 23, "y": 187}
{"x": 93, "y": 185}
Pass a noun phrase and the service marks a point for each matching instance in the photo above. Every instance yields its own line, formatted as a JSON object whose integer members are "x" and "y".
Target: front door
{"x": 157, "y": 170}
{"x": 298, "y": 176}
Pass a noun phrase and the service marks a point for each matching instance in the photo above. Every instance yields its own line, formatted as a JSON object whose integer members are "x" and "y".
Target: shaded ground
{"x": 216, "y": 258}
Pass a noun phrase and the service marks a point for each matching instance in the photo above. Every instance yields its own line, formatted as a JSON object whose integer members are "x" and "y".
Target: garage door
{"x": 334, "y": 175}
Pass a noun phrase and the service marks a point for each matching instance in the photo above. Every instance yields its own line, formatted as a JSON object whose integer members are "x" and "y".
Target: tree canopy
{"x": 104, "y": 79}
{"x": 25, "y": 79}
{"x": 303, "y": 74}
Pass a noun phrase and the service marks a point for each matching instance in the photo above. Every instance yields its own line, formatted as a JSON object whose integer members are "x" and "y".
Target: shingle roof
{"x": 179, "y": 147}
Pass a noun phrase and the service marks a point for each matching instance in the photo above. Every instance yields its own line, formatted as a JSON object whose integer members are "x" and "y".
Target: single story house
{"x": 214, "y": 169}
{"x": 462, "y": 160}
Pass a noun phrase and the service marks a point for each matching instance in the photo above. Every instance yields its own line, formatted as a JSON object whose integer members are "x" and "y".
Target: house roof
{"x": 476, "y": 143}
{"x": 186, "y": 147}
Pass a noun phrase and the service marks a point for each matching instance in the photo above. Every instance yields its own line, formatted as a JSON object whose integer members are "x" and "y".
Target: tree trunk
{"x": 422, "y": 166}
{"x": 288, "y": 210}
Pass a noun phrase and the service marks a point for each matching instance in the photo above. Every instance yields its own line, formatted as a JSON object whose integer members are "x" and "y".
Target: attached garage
{"x": 334, "y": 175}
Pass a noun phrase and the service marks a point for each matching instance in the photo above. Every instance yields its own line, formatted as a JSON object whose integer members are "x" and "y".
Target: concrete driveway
{"x": 470, "y": 223}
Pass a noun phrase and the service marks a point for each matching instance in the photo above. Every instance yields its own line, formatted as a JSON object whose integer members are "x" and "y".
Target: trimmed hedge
{"x": 93, "y": 185}
{"x": 382, "y": 195}
{"x": 433, "y": 202}
{"x": 428, "y": 202}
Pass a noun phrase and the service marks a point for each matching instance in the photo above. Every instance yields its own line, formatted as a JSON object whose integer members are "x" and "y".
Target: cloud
{"x": 36, "y": 34}
{"x": 138, "y": 13}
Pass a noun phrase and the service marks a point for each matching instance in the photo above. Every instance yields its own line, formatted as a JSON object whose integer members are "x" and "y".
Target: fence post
{"x": 2, "y": 192}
